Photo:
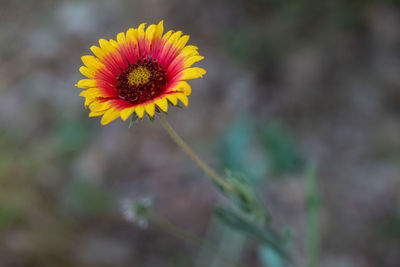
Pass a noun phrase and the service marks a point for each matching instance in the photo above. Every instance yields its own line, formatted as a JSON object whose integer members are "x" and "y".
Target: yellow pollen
{"x": 139, "y": 76}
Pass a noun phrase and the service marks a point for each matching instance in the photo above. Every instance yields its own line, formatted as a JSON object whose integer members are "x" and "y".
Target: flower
{"x": 137, "y": 211}
{"x": 141, "y": 72}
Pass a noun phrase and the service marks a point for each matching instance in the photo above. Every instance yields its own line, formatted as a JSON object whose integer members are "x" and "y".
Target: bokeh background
{"x": 287, "y": 82}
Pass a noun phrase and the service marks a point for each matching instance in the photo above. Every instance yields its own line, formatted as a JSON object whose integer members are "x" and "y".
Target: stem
{"x": 194, "y": 157}
{"x": 312, "y": 211}
{"x": 176, "y": 231}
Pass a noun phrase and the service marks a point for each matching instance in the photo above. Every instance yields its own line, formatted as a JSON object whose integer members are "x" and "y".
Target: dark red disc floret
{"x": 137, "y": 94}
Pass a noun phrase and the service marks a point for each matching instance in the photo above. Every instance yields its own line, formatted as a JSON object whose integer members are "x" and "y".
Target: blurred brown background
{"x": 287, "y": 81}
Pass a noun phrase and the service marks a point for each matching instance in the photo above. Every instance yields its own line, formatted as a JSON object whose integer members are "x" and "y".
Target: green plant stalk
{"x": 179, "y": 141}
{"x": 231, "y": 243}
{"x": 312, "y": 210}
{"x": 172, "y": 229}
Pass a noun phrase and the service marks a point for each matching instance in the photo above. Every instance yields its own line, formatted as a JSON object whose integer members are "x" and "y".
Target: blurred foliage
{"x": 248, "y": 216}
{"x": 269, "y": 257}
{"x": 13, "y": 187}
{"x": 239, "y": 149}
{"x": 312, "y": 205}
{"x": 390, "y": 227}
{"x": 262, "y": 233}
{"x": 246, "y": 199}
{"x": 252, "y": 152}
{"x": 234, "y": 144}
{"x": 282, "y": 152}
{"x": 85, "y": 198}
{"x": 72, "y": 135}
{"x": 8, "y": 215}
{"x": 261, "y": 48}
{"x": 259, "y": 150}
{"x": 133, "y": 120}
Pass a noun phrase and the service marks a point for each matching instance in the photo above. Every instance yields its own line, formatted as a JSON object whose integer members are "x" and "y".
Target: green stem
{"x": 172, "y": 229}
{"x": 312, "y": 211}
{"x": 194, "y": 157}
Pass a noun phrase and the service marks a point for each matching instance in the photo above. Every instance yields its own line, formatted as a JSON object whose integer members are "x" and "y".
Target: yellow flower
{"x": 142, "y": 71}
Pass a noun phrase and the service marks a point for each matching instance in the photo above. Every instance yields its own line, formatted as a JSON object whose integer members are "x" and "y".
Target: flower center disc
{"x": 138, "y": 76}
{"x": 142, "y": 81}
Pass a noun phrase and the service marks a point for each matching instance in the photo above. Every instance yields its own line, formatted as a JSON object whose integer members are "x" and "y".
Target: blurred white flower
{"x": 137, "y": 211}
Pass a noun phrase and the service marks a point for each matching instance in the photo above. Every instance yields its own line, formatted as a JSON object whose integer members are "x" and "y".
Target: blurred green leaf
{"x": 286, "y": 234}
{"x": 247, "y": 200}
{"x": 178, "y": 106}
{"x": 389, "y": 228}
{"x": 8, "y": 215}
{"x": 234, "y": 143}
{"x": 86, "y": 198}
{"x": 281, "y": 149}
{"x": 242, "y": 224}
{"x": 71, "y": 134}
{"x": 134, "y": 118}
{"x": 269, "y": 257}
{"x": 239, "y": 151}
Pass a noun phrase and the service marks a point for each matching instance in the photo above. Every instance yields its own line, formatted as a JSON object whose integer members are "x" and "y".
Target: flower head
{"x": 141, "y": 72}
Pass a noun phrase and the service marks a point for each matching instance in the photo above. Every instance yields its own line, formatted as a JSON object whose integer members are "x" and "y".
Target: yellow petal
{"x": 106, "y": 46}
{"x": 172, "y": 99}
{"x": 150, "y": 32}
{"x": 190, "y": 61}
{"x": 159, "y": 30}
{"x": 185, "y": 87}
{"x": 92, "y": 63}
{"x": 191, "y": 47}
{"x": 167, "y": 35}
{"x": 87, "y": 72}
{"x": 89, "y": 100}
{"x": 125, "y": 113}
{"x": 192, "y": 73}
{"x": 140, "y": 30}
{"x": 97, "y": 51}
{"x": 150, "y": 108}
{"x": 121, "y": 38}
{"x": 109, "y": 116}
{"x": 162, "y": 103}
{"x": 131, "y": 35}
{"x": 99, "y": 106}
{"x": 189, "y": 51}
{"x": 91, "y": 92}
{"x": 183, "y": 98}
{"x": 96, "y": 114}
{"x": 174, "y": 37}
{"x": 139, "y": 111}
{"x": 86, "y": 83}
{"x": 181, "y": 42}
{"x": 114, "y": 43}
